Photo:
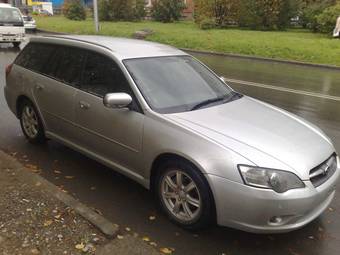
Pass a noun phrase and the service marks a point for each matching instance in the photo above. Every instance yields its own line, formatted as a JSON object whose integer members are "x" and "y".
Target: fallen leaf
{"x": 93, "y": 188}
{"x": 146, "y": 239}
{"x": 57, "y": 172}
{"x": 38, "y": 184}
{"x": 152, "y": 217}
{"x": 128, "y": 229}
{"x": 165, "y": 250}
{"x": 57, "y": 216}
{"x": 32, "y": 167}
{"x": 69, "y": 177}
{"x": 80, "y": 246}
{"x": 120, "y": 237}
{"x": 47, "y": 223}
{"x": 153, "y": 244}
{"x": 331, "y": 209}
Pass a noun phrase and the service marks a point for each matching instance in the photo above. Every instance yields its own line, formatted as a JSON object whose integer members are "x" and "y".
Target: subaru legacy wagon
{"x": 161, "y": 117}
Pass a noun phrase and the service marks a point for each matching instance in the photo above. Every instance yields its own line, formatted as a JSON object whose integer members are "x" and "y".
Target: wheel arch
{"x": 19, "y": 101}
{"x": 173, "y": 156}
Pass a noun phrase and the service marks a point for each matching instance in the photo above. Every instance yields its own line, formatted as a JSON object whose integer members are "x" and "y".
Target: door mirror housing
{"x": 117, "y": 100}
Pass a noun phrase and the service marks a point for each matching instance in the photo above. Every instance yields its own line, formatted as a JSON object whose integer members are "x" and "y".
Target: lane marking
{"x": 294, "y": 91}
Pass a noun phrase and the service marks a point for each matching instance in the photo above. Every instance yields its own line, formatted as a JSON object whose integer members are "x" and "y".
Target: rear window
{"x": 66, "y": 65}
{"x": 35, "y": 56}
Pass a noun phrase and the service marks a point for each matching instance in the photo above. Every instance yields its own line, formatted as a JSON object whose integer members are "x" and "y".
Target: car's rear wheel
{"x": 31, "y": 124}
{"x": 184, "y": 195}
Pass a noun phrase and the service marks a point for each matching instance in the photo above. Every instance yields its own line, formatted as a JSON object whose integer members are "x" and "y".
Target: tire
{"x": 198, "y": 200}
{"x": 16, "y": 44}
{"x": 30, "y": 122}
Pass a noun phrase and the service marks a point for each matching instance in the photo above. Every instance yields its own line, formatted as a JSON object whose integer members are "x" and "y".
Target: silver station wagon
{"x": 162, "y": 118}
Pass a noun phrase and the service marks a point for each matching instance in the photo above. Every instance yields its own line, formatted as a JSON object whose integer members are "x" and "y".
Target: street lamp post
{"x": 95, "y": 15}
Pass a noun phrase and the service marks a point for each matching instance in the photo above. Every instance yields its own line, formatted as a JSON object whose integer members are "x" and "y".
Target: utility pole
{"x": 95, "y": 15}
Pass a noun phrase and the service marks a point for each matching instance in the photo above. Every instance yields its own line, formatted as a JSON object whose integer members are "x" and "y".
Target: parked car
{"x": 29, "y": 23}
{"x": 44, "y": 12}
{"x": 162, "y": 118}
{"x": 11, "y": 25}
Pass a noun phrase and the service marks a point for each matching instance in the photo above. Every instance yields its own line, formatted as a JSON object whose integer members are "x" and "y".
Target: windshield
{"x": 10, "y": 16}
{"x": 177, "y": 84}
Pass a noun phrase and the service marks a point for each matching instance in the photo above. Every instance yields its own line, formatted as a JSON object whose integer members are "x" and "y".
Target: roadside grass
{"x": 294, "y": 44}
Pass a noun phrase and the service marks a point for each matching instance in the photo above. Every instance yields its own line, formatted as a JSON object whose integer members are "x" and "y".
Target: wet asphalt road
{"x": 129, "y": 205}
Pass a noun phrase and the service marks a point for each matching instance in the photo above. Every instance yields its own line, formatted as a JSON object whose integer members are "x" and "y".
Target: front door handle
{"x": 39, "y": 87}
{"x": 83, "y": 105}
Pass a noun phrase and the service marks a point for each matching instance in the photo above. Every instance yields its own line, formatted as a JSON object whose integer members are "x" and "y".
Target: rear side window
{"x": 35, "y": 56}
{"x": 66, "y": 65}
{"x": 102, "y": 76}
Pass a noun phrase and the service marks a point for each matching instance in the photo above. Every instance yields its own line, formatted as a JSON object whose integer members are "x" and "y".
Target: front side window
{"x": 102, "y": 75}
{"x": 35, "y": 56}
{"x": 177, "y": 83}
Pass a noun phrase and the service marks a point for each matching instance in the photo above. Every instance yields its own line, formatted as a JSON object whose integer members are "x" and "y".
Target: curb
{"x": 232, "y": 55}
{"x": 104, "y": 225}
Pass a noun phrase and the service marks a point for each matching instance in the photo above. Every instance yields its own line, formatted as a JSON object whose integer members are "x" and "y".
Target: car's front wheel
{"x": 16, "y": 44}
{"x": 31, "y": 124}
{"x": 184, "y": 195}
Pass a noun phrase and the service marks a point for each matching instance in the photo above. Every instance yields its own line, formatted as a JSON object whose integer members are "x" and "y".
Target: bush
{"x": 325, "y": 22}
{"x": 74, "y": 10}
{"x": 310, "y": 11}
{"x": 126, "y": 10}
{"x": 266, "y": 15}
{"x": 207, "y": 23}
{"x": 167, "y": 10}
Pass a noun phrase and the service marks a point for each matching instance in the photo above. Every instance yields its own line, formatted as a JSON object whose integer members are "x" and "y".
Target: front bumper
{"x": 252, "y": 209}
{"x": 10, "y": 39}
{"x": 30, "y": 26}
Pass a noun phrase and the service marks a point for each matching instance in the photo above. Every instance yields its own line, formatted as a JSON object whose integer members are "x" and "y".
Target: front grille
{"x": 323, "y": 172}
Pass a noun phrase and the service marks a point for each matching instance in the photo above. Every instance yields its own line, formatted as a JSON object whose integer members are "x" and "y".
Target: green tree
{"x": 74, "y": 10}
{"x": 167, "y": 10}
{"x": 222, "y": 11}
{"x": 266, "y": 14}
{"x": 127, "y": 10}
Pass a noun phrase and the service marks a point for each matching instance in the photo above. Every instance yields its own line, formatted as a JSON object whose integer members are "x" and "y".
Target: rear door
{"x": 56, "y": 88}
{"x": 115, "y": 135}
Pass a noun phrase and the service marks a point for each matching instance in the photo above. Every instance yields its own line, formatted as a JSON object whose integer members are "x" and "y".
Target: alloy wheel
{"x": 181, "y": 196}
{"x": 30, "y": 121}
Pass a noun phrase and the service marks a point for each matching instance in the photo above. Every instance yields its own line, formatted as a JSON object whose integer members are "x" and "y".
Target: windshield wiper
{"x": 207, "y": 102}
{"x": 225, "y": 99}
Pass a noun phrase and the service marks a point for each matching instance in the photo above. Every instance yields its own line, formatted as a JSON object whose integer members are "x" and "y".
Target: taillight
{"x": 8, "y": 69}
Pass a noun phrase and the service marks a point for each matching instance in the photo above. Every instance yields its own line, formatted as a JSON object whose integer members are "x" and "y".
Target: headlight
{"x": 277, "y": 180}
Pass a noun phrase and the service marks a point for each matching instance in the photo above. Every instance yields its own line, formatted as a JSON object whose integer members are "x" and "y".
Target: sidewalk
{"x": 36, "y": 217}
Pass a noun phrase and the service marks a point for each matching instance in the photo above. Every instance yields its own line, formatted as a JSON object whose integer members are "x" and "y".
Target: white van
{"x": 12, "y": 28}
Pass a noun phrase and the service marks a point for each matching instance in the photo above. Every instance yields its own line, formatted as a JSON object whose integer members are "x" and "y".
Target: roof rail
{"x": 74, "y": 39}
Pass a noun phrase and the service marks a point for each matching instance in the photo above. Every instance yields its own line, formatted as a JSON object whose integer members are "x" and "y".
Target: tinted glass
{"x": 102, "y": 76}
{"x": 176, "y": 84}
{"x": 66, "y": 65}
{"x": 35, "y": 56}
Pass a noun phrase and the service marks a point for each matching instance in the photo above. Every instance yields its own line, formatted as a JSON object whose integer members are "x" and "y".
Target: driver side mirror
{"x": 117, "y": 100}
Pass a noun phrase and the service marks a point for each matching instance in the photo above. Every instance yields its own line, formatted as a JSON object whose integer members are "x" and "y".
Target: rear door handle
{"x": 83, "y": 105}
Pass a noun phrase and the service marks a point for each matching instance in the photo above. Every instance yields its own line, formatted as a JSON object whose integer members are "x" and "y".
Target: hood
{"x": 259, "y": 131}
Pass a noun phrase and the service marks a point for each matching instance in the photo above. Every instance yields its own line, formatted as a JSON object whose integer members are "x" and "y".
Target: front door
{"x": 113, "y": 135}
